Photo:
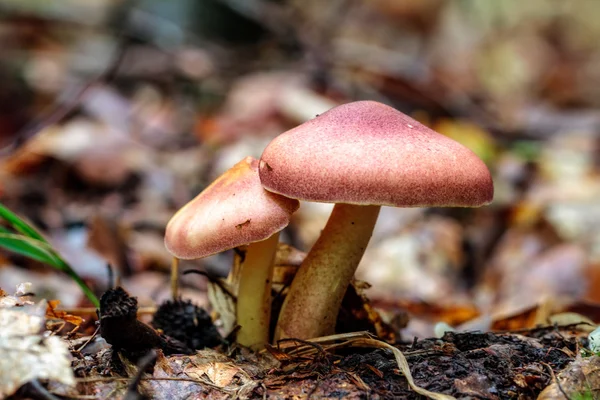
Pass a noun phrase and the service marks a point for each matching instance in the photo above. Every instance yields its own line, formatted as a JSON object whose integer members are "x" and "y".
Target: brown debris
{"x": 53, "y": 313}
{"x": 581, "y": 378}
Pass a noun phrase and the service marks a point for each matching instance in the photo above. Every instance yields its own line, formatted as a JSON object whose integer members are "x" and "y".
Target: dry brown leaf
{"x": 524, "y": 319}
{"x": 586, "y": 308}
{"x": 475, "y": 385}
{"x": 557, "y": 311}
{"x": 452, "y": 314}
{"x": 279, "y": 354}
{"x": 583, "y": 323}
{"x": 223, "y": 304}
{"x": 53, "y": 313}
{"x": 580, "y": 378}
{"x": 358, "y": 314}
{"x": 219, "y": 373}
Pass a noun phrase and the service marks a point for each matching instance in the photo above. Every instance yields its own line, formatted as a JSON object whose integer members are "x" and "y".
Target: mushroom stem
{"x": 254, "y": 294}
{"x": 315, "y": 296}
{"x": 175, "y": 278}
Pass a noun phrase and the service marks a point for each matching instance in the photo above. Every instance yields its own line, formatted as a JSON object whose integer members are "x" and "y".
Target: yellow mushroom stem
{"x": 254, "y": 294}
{"x": 312, "y": 304}
{"x": 175, "y": 278}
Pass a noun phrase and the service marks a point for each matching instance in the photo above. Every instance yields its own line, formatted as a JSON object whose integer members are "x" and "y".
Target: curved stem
{"x": 315, "y": 296}
{"x": 254, "y": 294}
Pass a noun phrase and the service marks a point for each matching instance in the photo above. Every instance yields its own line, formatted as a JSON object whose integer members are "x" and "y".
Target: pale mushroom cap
{"x": 371, "y": 154}
{"x": 234, "y": 210}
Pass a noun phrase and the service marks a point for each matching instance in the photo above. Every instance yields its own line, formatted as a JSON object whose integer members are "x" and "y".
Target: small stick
{"x": 89, "y": 340}
{"x": 555, "y": 379}
{"x": 92, "y": 310}
{"x": 175, "y": 278}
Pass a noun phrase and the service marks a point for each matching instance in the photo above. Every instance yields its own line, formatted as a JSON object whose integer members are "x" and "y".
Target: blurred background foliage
{"x": 114, "y": 113}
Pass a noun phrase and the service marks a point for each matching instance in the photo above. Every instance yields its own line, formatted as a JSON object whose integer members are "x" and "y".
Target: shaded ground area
{"x": 464, "y": 365}
{"x": 482, "y": 365}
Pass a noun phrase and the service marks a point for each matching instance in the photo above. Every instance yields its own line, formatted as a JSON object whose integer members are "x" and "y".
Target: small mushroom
{"x": 361, "y": 156}
{"x": 235, "y": 210}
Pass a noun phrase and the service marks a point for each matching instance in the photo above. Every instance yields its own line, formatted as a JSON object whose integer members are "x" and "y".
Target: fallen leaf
{"x": 221, "y": 374}
{"x": 580, "y": 378}
{"x": 27, "y": 354}
{"x": 358, "y": 314}
{"x": 52, "y": 312}
{"x": 475, "y": 385}
{"x": 452, "y": 314}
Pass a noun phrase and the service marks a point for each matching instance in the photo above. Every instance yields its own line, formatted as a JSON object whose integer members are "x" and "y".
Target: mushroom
{"x": 361, "y": 156}
{"x": 235, "y": 210}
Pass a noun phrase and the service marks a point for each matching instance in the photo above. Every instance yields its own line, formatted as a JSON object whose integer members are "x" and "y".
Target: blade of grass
{"x": 25, "y": 246}
{"x": 84, "y": 287}
{"x": 20, "y": 225}
{"x": 42, "y": 251}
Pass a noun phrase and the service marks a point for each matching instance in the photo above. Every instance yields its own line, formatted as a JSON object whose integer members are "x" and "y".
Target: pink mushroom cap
{"x": 368, "y": 153}
{"x": 234, "y": 210}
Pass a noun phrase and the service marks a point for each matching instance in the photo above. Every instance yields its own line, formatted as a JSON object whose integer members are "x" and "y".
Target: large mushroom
{"x": 235, "y": 210}
{"x": 361, "y": 156}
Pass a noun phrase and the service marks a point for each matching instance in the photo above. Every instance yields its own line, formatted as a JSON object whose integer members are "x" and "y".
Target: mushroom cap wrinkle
{"x": 234, "y": 210}
{"x": 367, "y": 153}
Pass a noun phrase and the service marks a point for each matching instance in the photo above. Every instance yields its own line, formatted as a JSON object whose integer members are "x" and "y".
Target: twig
{"x": 92, "y": 310}
{"x": 217, "y": 281}
{"x": 89, "y": 340}
{"x": 554, "y": 379}
{"x": 113, "y": 279}
{"x": 317, "y": 346}
{"x": 143, "y": 365}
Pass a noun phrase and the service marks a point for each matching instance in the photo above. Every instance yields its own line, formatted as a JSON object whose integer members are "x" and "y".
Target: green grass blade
{"x": 43, "y": 252}
{"x": 84, "y": 287}
{"x": 27, "y": 247}
{"x": 20, "y": 225}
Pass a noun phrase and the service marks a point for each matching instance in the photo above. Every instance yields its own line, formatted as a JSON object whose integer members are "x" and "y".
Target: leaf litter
{"x": 29, "y": 353}
{"x": 517, "y": 83}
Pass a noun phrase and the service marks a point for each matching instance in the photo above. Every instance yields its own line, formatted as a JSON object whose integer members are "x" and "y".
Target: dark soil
{"x": 472, "y": 365}
{"x": 465, "y": 365}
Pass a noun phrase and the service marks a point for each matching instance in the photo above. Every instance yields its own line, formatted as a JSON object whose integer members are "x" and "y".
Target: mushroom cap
{"x": 367, "y": 153}
{"x": 234, "y": 210}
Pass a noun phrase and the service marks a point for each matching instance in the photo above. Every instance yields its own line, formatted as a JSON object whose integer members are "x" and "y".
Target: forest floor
{"x": 113, "y": 115}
